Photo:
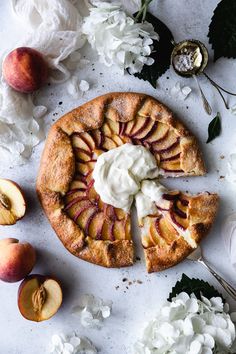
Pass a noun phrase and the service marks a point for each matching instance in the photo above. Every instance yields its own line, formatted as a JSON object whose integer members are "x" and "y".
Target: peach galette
{"x": 97, "y": 231}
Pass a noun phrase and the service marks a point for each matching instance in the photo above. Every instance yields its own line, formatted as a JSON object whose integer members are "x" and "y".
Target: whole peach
{"x": 17, "y": 259}
{"x": 25, "y": 69}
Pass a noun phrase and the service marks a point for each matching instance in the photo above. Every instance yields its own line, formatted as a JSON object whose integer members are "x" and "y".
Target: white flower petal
{"x": 233, "y": 109}
{"x": 92, "y": 311}
{"x": 117, "y": 38}
{"x": 69, "y": 348}
{"x": 83, "y": 85}
{"x": 188, "y": 325}
{"x": 39, "y": 111}
{"x": 180, "y": 92}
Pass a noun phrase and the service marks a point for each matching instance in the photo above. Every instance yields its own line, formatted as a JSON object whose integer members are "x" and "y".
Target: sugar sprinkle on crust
{"x": 58, "y": 166}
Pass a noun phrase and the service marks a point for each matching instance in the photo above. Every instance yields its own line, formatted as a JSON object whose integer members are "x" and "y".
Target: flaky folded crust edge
{"x": 202, "y": 211}
{"x": 57, "y": 168}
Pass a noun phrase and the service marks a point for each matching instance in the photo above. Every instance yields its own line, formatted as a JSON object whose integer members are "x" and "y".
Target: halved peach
{"x": 39, "y": 297}
{"x": 12, "y": 202}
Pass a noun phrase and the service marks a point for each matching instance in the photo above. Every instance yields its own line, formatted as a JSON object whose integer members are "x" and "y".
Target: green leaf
{"x": 161, "y": 53}
{"x": 222, "y": 30}
{"x": 195, "y": 286}
{"x": 214, "y": 128}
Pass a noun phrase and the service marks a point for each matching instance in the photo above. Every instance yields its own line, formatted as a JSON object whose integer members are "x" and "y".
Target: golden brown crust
{"x": 114, "y": 254}
{"x": 191, "y": 161}
{"x": 58, "y": 167}
{"x": 57, "y": 158}
{"x": 158, "y": 258}
{"x": 202, "y": 211}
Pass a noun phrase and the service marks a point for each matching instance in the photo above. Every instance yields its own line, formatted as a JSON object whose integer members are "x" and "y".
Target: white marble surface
{"x": 135, "y": 303}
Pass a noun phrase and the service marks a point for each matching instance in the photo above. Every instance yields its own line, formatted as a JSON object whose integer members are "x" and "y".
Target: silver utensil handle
{"x": 206, "y": 104}
{"x": 230, "y": 290}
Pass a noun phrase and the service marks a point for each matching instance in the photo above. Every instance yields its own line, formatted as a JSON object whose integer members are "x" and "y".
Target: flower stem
{"x": 143, "y": 10}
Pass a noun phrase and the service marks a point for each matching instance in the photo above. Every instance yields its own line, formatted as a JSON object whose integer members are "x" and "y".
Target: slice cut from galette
{"x": 97, "y": 232}
{"x": 176, "y": 226}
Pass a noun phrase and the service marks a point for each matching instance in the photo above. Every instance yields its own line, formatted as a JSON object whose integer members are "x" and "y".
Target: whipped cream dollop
{"x": 190, "y": 325}
{"x": 151, "y": 191}
{"x": 118, "y": 174}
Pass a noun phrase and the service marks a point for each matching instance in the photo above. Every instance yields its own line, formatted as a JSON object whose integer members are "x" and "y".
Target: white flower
{"x": 188, "y": 325}
{"x": 39, "y": 111}
{"x": 92, "y": 311}
{"x": 71, "y": 344}
{"x": 76, "y": 88}
{"x": 180, "y": 92}
{"x": 117, "y": 39}
{"x": 84, "y": 86}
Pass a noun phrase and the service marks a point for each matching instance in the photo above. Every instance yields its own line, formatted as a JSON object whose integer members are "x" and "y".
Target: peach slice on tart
{"x": 88, "y": 227}
{"x": 139, "y": 132}
{"x": 159, "y": 134}
{"x": 177, "y": 229}
{"x": 12, "y": 202}
{"x": 39, "y": 297}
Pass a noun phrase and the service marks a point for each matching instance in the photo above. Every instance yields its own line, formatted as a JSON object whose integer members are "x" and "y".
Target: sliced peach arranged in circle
{"x": 39, "y": 297}
{"x": 159, "y": 134}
